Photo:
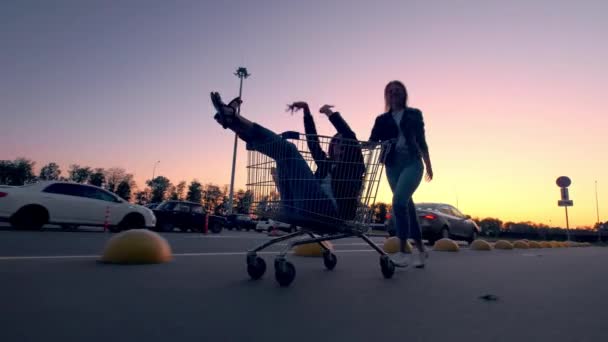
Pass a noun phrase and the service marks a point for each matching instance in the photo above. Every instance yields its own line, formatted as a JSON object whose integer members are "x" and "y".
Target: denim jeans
{"x": 301, "y": 195}
{"x": 404, "y": 177}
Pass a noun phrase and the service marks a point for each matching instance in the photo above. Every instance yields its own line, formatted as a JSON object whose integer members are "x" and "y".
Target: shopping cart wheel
{"x": 284, "y": 272}
{"x": 330, "y": 260}
{"x": 387, "y": 266}
{"x": 256, "y": 268}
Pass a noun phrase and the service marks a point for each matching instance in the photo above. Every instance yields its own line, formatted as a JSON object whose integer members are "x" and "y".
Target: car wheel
{"x": 30, "y": 218}
{"x": 445, "y": 233}
{"x": 166, "y": 227}
{"x": 216, "y": 228}
{"x": 114, "y": 229}
{"x": 474, "y": 236}
{"x": 132, "y": 221}
{"x": 69, "y": 227}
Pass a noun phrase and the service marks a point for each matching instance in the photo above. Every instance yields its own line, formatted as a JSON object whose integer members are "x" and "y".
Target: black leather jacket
{"x": 347, "y": 174}
{"x": 412, "y": 124}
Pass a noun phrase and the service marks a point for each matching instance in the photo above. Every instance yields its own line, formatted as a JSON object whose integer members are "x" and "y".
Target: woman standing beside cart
{"x": 404, "y": 165}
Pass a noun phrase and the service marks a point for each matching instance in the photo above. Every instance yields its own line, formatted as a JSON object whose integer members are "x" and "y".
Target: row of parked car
{"x": 71, "y": 205}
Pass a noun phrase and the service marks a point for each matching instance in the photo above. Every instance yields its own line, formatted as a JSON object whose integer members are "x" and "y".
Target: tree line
{"x": 213, "y": 197}
{"x": 118, "y": 181}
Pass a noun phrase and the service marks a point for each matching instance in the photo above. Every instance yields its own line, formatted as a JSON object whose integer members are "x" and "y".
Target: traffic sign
{"x": 563, "y": 182}
{"x": 565, "y": 194}
{"x": 565, "y": 203}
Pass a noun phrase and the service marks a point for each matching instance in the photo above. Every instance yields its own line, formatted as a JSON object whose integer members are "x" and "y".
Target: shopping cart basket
{"x": 283, "y": 179}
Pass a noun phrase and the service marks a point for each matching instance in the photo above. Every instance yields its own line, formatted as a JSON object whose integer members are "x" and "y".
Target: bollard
{"x": 105, "y": 221}
{"x": 206, "y": 229}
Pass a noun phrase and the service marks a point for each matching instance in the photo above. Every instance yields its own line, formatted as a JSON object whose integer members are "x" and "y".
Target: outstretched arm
{"x": 312, "y": 138}
{"x": 339, "y": 123}
{"x": 311, "y": 132}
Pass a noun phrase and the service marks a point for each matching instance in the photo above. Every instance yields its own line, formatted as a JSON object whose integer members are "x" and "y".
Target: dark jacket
{"x": 347, "y": 174}
{"x": 412, "y": 124}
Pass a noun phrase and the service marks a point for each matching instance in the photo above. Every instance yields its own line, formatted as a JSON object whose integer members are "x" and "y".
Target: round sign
{"x": 563, "y": 182}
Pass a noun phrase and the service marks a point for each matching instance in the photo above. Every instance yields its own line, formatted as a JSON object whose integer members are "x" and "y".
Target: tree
{"x": 124, "y": 190}
{"x": 113, "y": 177}
{"x": 491, "y": 226}
{"x": 79, "y": 174}
{"x": 97, "y": 177}
{"x": 380, "y": 210}
{"x": 6, "y": 171}
{"x": 195, "y": 192}
{"x": 261, "y": 208}
{"x": 171, "y": 193}
{"x": 159, "y": 186}
{"x": 244, "y": 200}
{"x": 50, "y": 172}
{"x": 212, "y": 197}
{"x": 17, "y": 172}
{"x": 180, "y": 188}
{"x": 143, "y": 197}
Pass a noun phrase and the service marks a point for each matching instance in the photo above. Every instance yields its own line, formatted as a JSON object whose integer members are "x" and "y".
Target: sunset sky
{"x": 511, "y": 91}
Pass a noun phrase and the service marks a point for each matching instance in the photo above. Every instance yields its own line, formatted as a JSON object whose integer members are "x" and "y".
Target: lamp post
{"x": 154, "y": 169}
{"x": 241, "y": 73}
{"x": 597, "y": 212}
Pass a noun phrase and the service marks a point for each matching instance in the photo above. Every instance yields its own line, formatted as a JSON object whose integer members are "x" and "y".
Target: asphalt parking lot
{"x": 53, "y": 289}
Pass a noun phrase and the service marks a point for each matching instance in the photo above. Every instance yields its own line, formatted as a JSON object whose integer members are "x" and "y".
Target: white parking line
{"x": 224, "y": 237}
{"x": 278, "y": 244}
{"x": 204, "y": 254}
{"x": 7, "y": 258}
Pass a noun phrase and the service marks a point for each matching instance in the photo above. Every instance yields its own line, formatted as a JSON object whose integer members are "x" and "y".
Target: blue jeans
{"x": 404, "y": 177}
{"x": 302, "y": 198}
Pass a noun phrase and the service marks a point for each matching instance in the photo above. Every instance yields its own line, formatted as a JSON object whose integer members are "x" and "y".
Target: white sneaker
{"x": 420, "y": 259}
{"x": 401, "y": 259}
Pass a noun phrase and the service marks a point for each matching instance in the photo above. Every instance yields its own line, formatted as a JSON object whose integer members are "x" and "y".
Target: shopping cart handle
{"x": 290, "y": 135}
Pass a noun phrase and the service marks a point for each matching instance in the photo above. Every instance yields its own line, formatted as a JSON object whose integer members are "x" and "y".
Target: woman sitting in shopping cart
{"x": 328, "y": 196}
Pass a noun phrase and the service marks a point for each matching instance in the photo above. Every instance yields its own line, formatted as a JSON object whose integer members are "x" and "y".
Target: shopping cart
{"x": 282, "y": 180}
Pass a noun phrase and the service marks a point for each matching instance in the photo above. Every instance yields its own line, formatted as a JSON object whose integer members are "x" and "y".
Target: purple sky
{"x": 510, "y": 90}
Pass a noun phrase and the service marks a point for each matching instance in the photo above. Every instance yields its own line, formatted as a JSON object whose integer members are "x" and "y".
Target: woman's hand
{"x": 296, "y": 106}
{"x": 429, "y": 174}
{"x": 326, "y": 109}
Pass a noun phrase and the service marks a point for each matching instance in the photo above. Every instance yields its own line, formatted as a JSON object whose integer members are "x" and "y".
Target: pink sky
{"x": 510, "y": 91}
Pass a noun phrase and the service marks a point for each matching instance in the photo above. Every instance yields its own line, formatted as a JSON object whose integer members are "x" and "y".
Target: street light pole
{"x": 241, "y": 73}
{"x": 154, "y": 170}
{"x": 597, "y": 212}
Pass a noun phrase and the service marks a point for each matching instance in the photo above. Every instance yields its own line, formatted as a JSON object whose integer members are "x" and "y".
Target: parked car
{"x": 151, "y": 206}
{"x": 240, "y": 221}
{"x": 69, "y": 205}
{"x": 267, "y": 225}
{"x": 185, "y": 215}
{"x": 439, "y": 220}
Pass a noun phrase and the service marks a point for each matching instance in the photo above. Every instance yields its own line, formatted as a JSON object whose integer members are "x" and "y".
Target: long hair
{"x": 387, "y": 106}
{"x": 334, "y": 141}
{"x": 350, "y": 147}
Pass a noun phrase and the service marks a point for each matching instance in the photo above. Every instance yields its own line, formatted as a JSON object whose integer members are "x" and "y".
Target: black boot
{"x": 226, "y": 114}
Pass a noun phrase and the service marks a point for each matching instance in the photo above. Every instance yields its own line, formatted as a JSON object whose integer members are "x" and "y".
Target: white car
{"x": 268, "y": 225}
{"x": 69, "y": 204}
